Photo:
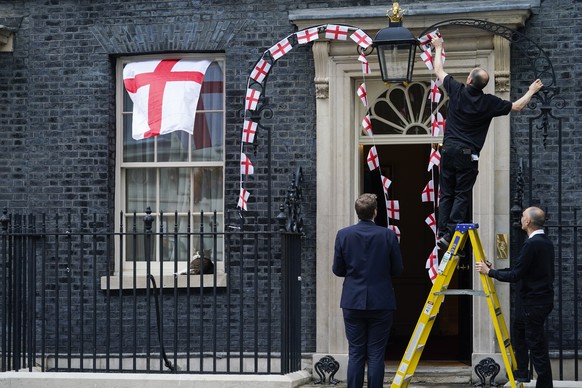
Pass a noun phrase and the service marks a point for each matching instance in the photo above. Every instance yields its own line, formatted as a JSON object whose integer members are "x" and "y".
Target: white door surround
{"x": 339, "y": 114}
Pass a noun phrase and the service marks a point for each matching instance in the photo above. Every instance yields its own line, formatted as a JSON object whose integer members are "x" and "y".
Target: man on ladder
{"x": 469, "y": 115}
{"x": 534, "y": 269}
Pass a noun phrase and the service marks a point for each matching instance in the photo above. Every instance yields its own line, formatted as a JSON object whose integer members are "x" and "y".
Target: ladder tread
{"x": 462, "y": 292}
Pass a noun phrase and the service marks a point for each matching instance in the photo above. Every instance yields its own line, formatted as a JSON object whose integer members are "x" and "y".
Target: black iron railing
{"x": 70, "y": 303}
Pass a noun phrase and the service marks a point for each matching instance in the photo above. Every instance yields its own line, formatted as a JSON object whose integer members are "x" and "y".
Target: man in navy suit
{"x": 534, "y": 269}
{"x": 367, "y": 256}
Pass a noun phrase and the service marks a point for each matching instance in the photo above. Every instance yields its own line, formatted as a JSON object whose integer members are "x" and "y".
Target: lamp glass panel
{"x": 394, "y": 60}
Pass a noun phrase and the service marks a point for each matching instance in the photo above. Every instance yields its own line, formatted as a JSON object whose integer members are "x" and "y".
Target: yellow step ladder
{"x": 436, "y": 297}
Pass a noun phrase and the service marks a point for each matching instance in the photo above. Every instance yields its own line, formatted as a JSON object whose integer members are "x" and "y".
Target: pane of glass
{"x": 416, "y": 96}
{"x": 208, "y": 134}
{"x": 204, "y": 239}
{"x": 127, "y": 102}
{"x": 136, "y": 150}
{"x": 175, "y": 238}
{"x": 173, "y": 147}
{"x": 140, "y": 189}
{"x": 211, "y": 93}
{"x": 398, "y": 99}
{"x": 174, "y": 189}
{"x": 207, "y": 186}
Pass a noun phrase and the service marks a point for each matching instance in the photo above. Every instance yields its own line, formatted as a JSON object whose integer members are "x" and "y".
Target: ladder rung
{"x": 461, "y": 292}
{"x": 507, "y": 343}
{"x": 420, "y": 347}
{"x": 408, "y": 377}
{"x": 432, "y": 317}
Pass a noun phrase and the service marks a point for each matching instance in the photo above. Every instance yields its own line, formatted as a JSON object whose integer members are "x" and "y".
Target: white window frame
{"x": 120, "y": 194}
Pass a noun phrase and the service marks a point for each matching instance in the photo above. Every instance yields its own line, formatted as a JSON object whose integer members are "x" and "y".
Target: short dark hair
{"x": 536, "y": 216}
{"x": 365, "y": 206}
{"x": 479, "y": 78}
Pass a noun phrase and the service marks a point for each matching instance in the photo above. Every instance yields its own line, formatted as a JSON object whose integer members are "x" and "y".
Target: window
{"x": 403, "y": 110}
{"x": 179, "y": 176}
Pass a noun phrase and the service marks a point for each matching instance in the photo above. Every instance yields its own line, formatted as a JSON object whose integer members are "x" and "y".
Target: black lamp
{"x": 396, "y": 48}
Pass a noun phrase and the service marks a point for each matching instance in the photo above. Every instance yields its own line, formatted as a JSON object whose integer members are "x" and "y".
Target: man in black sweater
{"x": 469, "y": 115}
{"x": 534, "y": 270}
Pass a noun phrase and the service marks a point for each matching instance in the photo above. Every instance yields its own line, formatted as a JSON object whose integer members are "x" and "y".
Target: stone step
{"x": 433, "y": 374}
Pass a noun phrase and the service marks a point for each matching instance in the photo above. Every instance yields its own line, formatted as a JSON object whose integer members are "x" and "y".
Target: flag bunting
{"x": 428, "y": 192}
{"x": 255, "y": 87}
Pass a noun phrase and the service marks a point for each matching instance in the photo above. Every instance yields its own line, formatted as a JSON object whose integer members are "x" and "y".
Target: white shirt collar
{"x": 539, "y": 231}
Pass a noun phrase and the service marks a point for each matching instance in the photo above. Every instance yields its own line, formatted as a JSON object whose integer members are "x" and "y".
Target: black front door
{"x": 451, "y": 335}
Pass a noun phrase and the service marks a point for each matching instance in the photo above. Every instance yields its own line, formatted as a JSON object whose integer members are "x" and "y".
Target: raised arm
{"x": 526, "y": 98}
{"x": 439, "y": 70}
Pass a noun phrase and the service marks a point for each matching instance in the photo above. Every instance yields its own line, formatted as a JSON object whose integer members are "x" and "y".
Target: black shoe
{"x": 444, "y": 242}
{"x": 522, "y": 379}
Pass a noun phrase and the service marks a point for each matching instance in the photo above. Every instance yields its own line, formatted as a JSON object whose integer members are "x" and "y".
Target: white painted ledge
{"x": 125, "y": 380}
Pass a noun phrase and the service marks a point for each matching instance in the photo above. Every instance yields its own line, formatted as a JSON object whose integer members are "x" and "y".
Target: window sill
{"x": 167, "y": 281}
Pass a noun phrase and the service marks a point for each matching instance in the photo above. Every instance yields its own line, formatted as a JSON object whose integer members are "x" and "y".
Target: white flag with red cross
{"x": 434, "y": 159}
{"x": 426, "y": 57}
{"x": 252, "y": 99}
{"x": 249, "y": 131}
{"x": 280, "y": 49}
{"x": 361, "y": 38}
{"x": 363, "y": 94}
{"x": 385, "y": 184}
{"x": 428, "y": 192}
{"x": 367, "y": 125}
{"x": 393, "y": 209}
{"x": 165, "y": 95}
{"x": 437, "y": 124}
{"x": 365, "y": 65}
{"x": 432, "y": 264}
{"x": 431, "y": 222}
{"x": 243, "y": 198}
{"x": 246, "y": 166}
{"x": 426, "y": 46}
{"x": 435, "y": 92}
{"x": 307, "y": 35}
{"x": 261, "y": 70}
{"x": 425, "y": 40}
{"x": 395, "y": 229}
{"x": 373, "y": 161}
{"x": 333, "y": 31}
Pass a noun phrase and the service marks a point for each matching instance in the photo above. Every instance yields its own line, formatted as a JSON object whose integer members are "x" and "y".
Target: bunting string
{"x": 437, "y": 129}
{"x": 254, "y": 96}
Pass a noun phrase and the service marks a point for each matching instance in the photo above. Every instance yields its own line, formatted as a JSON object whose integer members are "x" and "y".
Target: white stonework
{"x": 337, "y": 75}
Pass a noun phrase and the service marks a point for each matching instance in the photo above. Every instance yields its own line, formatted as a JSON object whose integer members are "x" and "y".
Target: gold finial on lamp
{"x": 395, "y": 14}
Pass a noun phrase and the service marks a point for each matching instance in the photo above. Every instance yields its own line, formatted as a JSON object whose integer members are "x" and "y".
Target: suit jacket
{"x": 533, "y": 269}
{"x": 367, "y": 255}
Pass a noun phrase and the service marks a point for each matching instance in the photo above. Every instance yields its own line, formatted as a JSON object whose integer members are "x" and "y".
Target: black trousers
{"x": 529, "y": 339}
{"x": 458, "y": 174}
{"x": 367, "y": 332}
